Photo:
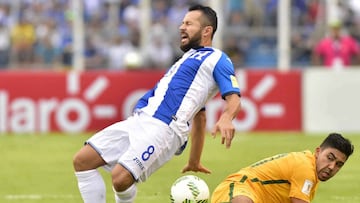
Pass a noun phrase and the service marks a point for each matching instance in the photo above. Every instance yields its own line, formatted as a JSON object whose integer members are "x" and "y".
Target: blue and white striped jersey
{"x": 188, "y": 85}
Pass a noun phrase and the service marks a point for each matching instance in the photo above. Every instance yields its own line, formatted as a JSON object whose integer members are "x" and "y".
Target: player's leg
{"x": 124, "y": 185}
{"x": 233, "y": 191}
{"x": 124, "y": 181}
{"x": 152, "y": 144}
{"x": 87, "y": 158}
{"x": 90, "y": 182}
{"x": 102, "y": 149}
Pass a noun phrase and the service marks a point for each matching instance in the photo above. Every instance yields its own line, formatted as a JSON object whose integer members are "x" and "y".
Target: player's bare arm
{"x": 224, "y": 125}
{"x": 198, "y": 131}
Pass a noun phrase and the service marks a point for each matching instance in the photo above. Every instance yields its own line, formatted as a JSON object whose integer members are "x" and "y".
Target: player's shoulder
{"x": 217, "y": 50}
{"x": 211, "y": 49}
{"x": 217, "y": 55}
{"x": 222, "y": 54}
{"x": 303, "y": 153}
{"x": 302, "y": 156}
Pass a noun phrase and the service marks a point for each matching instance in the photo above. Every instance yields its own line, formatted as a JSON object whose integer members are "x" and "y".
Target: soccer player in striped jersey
{"x": 163, "y": 118}
{"x": 286, "y": 178}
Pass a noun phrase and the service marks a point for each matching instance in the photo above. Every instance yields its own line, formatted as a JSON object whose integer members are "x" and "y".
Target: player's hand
{"x": 195, "y": 168}
{"x": 226, "y": 130}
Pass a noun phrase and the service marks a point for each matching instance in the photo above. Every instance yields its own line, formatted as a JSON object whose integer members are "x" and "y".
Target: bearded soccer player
{"x": 135, "y": 148}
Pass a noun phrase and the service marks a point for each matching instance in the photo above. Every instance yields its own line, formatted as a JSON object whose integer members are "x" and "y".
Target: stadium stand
{"x": 38, "y": 33}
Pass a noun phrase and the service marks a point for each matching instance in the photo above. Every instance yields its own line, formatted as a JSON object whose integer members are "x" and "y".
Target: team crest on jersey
{"x": 306, "y": 189}
{"x": 234, "y": 82}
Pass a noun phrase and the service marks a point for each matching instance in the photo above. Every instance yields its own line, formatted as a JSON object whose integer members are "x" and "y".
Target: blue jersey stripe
{"x": 187, "y": 85}
{"x": 178, "y": 86}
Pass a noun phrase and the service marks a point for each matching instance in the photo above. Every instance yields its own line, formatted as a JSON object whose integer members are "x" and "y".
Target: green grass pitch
{"x": 38, "y": 168}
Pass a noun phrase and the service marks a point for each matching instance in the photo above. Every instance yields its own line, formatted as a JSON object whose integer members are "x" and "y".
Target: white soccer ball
{"x": 189, "y": 189}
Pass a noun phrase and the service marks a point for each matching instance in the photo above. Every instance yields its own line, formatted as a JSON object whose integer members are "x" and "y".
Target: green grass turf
{"x": 38, "y": 168}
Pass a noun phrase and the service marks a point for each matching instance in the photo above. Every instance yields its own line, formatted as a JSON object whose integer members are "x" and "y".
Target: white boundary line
{"x": 37, "y": 196}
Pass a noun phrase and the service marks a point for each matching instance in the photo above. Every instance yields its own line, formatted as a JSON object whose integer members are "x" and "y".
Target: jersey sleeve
{"x": 224, "y": 76}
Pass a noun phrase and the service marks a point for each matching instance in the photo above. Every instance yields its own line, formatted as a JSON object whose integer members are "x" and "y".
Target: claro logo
{"x": 71, "y": 114}
{"x": 254, "y": 106}
{"x": 80, "y": 105}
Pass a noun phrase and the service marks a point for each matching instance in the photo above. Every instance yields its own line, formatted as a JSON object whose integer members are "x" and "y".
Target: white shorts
{"x": 141, "y": 144}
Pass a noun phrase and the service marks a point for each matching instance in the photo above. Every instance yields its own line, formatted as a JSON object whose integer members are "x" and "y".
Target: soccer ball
{"x": 189, "y": 189}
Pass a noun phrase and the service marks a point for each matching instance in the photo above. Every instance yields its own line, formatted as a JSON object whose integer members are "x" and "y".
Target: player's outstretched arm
{"x": 197, "y": 136}
{"x": 224, "y": 125}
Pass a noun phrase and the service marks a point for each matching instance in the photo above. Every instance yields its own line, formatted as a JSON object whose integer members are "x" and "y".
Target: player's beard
{"x": 193, "y": 42}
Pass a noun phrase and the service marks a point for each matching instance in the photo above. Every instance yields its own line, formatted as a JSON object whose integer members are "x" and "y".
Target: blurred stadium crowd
{"x": 38, "y": 33}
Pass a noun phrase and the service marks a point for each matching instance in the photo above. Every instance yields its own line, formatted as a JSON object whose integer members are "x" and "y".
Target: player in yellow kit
{"x": 287, "y": 178}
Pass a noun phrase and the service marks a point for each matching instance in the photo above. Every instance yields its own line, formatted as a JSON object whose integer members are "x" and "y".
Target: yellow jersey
{"x": 272, "y": 180}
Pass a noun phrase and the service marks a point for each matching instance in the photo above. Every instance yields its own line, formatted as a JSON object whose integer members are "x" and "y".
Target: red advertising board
{"x": 88, "y": 101}
{"x": 68, "y": 101}
{"x": 271, "y": 100}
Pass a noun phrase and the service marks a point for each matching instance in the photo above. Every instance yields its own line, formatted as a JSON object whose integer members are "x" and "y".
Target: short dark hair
{"x": 210, "y": 16}
{"x": 337, "y": 141}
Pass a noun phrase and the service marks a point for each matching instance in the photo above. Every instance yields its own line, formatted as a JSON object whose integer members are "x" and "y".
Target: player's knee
{"x": 78, "y": 162}
{"x": 120, "y": 183}
{"x": 87, "y": 159}
{"x": 121, "y": 179}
